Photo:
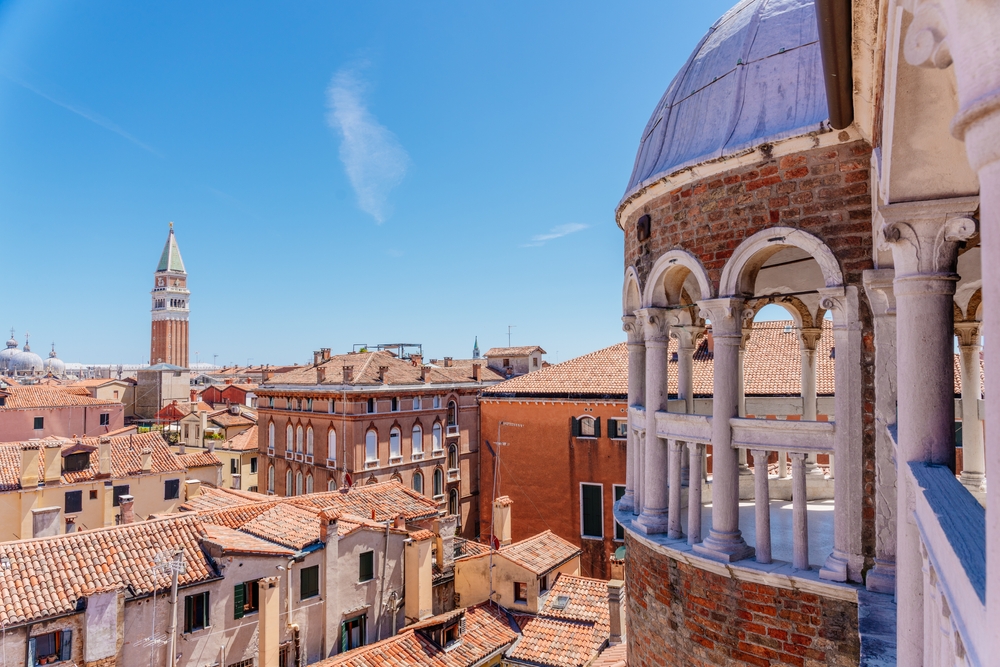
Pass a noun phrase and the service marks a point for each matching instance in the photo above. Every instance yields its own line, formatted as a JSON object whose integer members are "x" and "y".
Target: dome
{"x": 755, "y": 78}
{"x": 54, "y": 364}
{"x": 8, "y": 353}
{"x": 26, "y": 361}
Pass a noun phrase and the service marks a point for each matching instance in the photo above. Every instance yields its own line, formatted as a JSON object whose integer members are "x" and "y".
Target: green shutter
{"x": 239, "y": 599}
{"x": 187, "y": 613}
{"x": 574, "y": 425}
{"x": 597, "y": 427}
{"x": 66, "y": 647}
{"x": 31, "y": 652}
{"x": 343, "y": 636}
{"x": 206, "y": 618}
{"x": 612, "y": 428}
{"x": 593, "y": 524}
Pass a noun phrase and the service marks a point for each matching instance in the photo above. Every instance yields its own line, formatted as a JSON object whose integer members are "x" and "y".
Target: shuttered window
{"x": 196, "y": 612}
{"x": 309, "y": 582}
{"x": 74, "y": 501}
{"x": 171, "y": 489}
{"x": 592, "y": 511}
{"x": 51, "y": 647}
{"x": 245, "y": 598}
{"x": 366, "y": 568}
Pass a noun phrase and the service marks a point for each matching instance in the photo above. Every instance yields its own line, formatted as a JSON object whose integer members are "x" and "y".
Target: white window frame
{"x": 270, "y": 435}
{"x": 368, "y": 457}
{"x": 310, "y": 441}
{"x": 416, "y": 403}
{"x": 298, "y": 439}
{"x": 298, "y": 483}
{"x": 289, "y": 438}
{"x": 288, "y": 482}
{"x": 417, "y": 441}
{"x": 437, "y": 436}
{"x": 437, "y": 402}
{"x": 593, "y": 421}
{"x": 331, "y": 446}
{"x": 309, "y": 483}
{"x": 417, "y": 475}
{"x": 397, "y": 452}
{"x": 582, "y": 535}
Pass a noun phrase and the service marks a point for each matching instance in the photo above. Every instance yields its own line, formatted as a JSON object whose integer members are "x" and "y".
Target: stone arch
{"x": 668, "y": 277}
{"x": 741, "y": 269}
{"x": 802, "y": 315}
{"x": 631, "y": 292}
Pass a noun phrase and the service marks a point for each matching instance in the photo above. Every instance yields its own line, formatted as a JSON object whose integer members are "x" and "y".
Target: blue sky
{"x": 337, "y": 172}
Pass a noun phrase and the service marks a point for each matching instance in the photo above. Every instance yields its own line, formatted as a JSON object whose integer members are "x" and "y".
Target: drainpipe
{"x": 834, "y": 20}
{"x": 293, "y": 627}
{"x": 381, "y": 594}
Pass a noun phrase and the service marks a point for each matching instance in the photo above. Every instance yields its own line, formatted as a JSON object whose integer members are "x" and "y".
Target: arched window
{"x": 309, "y": 441}
{"x": 331, "y": 484}
{"x": 270, "y": 435}
{"x": 289, "y": 442}
{"x": 438, "y": 482}
{"x": 331, "y": 445}
{"x": 371, "y": 446}
{"x": 452, "y": 413}
{"x": 298, "y": 439}
{"x": 436, "y": 437}
{"x": 288, "y": 482}
{"x": 453, "y": 502}
{"x": 395, "y": 444}
{"x": 418, "y": 482}
{"x": 371, "y": 406}
{"x": 418, "y": 440}
{"x": 588, "y": 427}
{"x": 452, "y": 457}
{"x": 298, "y": 483}
{"x": 270, "y": 479}
{"x": 309, "y": 483}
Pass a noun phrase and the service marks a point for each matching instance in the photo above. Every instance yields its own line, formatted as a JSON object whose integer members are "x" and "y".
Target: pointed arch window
{"x": 270, "y": 479}
{"x": 298, "y": 483}
{"x": 270, "y": 435}
{"x": 331, "y": 484}
{"x": 309, "y": 441}
{"x": 438, "y": 482}
{"x": 288, "y": 482}
{"x": 371, "y": 446}
{"x": 452, "y": 413}
{"x": 452, "y": 457}
{"x": 436, "y": 438}
{"x": 453, "y": 501}
{"x": 331, "y": 445}
{"x": 418, "y": 482}
{"x": 418, "y": 439}
{"x": 309, "y": 483}
{"x": 395, "y": 444}
{"x": 298, "y": 439}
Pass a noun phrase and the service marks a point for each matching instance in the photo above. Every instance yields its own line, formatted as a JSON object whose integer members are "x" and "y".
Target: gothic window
{"x": 289, "y": 442}
{"x": 309, "y": 483}
{"x": 309, "y": 441}
{"x": 418, "y": 482}
{"x": 270, "y": 435}
{"x": 438, "y": 482}
{"x": 298, "y": 439}
{"x": 395, "y": 446}
{"x": 371, "y": 446}
{"x": 436, "y": 437}
{"x": 418, "y": 439}
{"x": 288, "y": 482}
{"x": 452, "y": 457}
{"x": 298, "y": 483}
{"x": 331, "y": 445}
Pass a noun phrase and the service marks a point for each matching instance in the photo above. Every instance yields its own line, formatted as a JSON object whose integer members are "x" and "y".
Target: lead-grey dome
{"x": 756, "y": 77}
{"x": 26, "y": 361}
{"x": 8, "y": 353}
{"x": 54, "y": 364}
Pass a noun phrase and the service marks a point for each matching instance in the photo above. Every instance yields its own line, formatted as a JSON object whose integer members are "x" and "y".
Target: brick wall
{"x": 824, "y": 191}
{"x": 680, "y": 615}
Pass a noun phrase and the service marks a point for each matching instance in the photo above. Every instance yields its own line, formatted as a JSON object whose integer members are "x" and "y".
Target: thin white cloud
{"x": 373, "y": 158}
{"x": 556, "y": 232}
{"x": 83, "y": 113}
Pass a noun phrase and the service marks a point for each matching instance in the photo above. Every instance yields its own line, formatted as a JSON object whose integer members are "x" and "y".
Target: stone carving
{"x": 926, "y": 42}
{"x": 926, "y": 246}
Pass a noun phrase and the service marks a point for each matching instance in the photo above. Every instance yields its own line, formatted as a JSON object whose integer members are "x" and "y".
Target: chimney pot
{"x": 127, "y": 505}
{"x": 615, "y": 589}
{"x": 29, "y": 468}
{"x": 317, "y": 357}
{"x": 424, "y": 373}
{"x": 348, "y": 374}
{"x": 417, "y": 359}
{"x": 476, "y": 372}
{"x": 382, "y": 370}
{"x": 448, "y": 362}
{"x": 146, "y": 456}
{"x": 501, "y": 519}
{"x": 320, "y": 374}
{"x": 326, "y": 353}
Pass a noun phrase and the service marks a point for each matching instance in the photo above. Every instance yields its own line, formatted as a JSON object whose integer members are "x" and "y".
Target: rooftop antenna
{"x": 509, "y": 327}
{"x": 496, "y": 480}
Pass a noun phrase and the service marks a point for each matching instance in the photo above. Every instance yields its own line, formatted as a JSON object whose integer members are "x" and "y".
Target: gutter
{"x": 834, "y": 21}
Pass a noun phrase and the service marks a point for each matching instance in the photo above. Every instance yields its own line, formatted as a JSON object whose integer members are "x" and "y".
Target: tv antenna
{"x": 509, "y": 327}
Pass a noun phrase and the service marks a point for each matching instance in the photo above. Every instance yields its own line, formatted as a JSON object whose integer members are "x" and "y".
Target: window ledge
{"x": 331, "y": 463}
{"x": 370, "y": 465}
{"x": 594, "y": 538}
{"x": 395, "y": 459}
{"x": 587, "y": 437}
{"x": 418, "y": 456}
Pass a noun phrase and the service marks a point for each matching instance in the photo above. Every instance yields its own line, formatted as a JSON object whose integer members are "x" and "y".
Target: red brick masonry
{"x": 688, "y": 617}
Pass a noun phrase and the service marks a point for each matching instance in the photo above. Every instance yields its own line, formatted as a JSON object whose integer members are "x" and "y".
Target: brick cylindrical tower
{"x": 169, "y": 339}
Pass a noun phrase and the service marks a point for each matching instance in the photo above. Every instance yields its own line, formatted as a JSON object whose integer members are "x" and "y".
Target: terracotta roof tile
{"x": 244, "y": 441}
{"x": 588, "y": 600}
{"x": 540, "y": 553}
{"x": 600, "y": 373}
{"x": 226, "y": 419}
{"x": 613, "y": 656}
{"x": 198, "y": 459}
{"x": 212, "y": 498}
{"x": 521, "y": 351}
{"x": 35, "y": 396}
{"x": 387, "y": 499}
{"x": 240, "y": 542}
{"x": 553, "y": 641}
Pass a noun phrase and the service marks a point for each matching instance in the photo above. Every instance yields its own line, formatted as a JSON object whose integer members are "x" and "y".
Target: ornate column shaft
{"x": 973, "y": 446}
{"x": 696, "y": 451}
{"x": 725, "y": 541}
{"x": 924, "y": 238}
{"x": 655, "y": 498}
{"x": 800, "y": 515}
{"x": 674, "y": 514}
{"x": 636, "y": 394}
{"x": 762, "y": 506}
{"x": 741, "y": 400}
{"x": 878, "y": 286}
{"x": 687, "y": 336}
{"x": 808, "y": 340}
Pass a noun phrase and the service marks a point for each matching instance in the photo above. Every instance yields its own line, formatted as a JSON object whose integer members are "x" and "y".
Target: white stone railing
{"x": 687, "y": 428}
{"x": 952, "y": 527}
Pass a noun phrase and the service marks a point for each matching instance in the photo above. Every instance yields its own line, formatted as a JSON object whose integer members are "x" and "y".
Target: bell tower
{"x": 169, "y": 340}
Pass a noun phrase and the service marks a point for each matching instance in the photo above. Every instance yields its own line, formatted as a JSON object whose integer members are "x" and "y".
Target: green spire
{"x": 475, "y": 349}
{"x": 171, "y": 260}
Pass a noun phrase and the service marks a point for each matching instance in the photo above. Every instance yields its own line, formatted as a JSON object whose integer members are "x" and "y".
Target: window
{"x": 371, "y": 446}
{"x": 76, "y": 462}
{"x": 331, "y": 406}
{"x": 352, "y": 633}
{"x": 93, "y": 494}
{"x": 117, "y": 492}
{"x": 253, "y": 465}
{"x": 452, "y": 413}
{"x": 39, "y": 423}
{"x": 438, "y": 482}
{"x": 521, "y": 592}
{"x": 270, "y": 479}
{"x": 618, "y": 429}
{"x": 298, "y": 439}
{"x": 437, "y": 402}
{"x": 172, "y": 489}
{"x": 418, "y": 440}
{"x": 288, "y": 483}
{"x": 246, "y": 599}
{"x": 270, "y": 435}
{"x": 331, "y": 445}
{"x": 586, "y": 427}
{"x": 506, "y": 362}
{"x": 234, "y": 467}
{"x": 395, "y": 444}
{"x": 453, "y": 501}
{"x": 534, "y": 362}
{"x": 74, "y": 501}
{"x": 395, "y": 404}
{"x": 331, "y": 484}
{"x": 309, "y": 441}
{"x": 591, "y": 510}
{"x": 289, "y": 441}
{"x": 416, "y": 403}
{"x": 50, "y": 647}
{"x": 371, "y": 406}
{"x": 195, "y": 612}
{"x": 619, "y": 490}
{"x": 298, "y": 483}
{"x": 366, "y": 566}
{"x": 452, "y": 457}
{"x": 116, "y": 393}
{"x": 309, "y": 404}
{"x": 309, "y": 483}
{"x": 105, "y": 419}
{"x": 418, "y": 482}
{"x": 270, "y": 401}
{"x": 436, "y": 437}
{"x": 309, "y": 582}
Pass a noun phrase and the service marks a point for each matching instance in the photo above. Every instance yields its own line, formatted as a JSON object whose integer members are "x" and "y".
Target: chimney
{"x": 104, "y": 612}
{"x": 104, "y": 457}
{"x": 267, "y": 622}
{"x": 399, "y": 523}
{"x": 194, "y": 396}
{"x": 237, "y": 481}
{"x": 501, "y": 519}
{"x": 476, "y": 372}
{"x": 348, "y": 374}
{"x": 320, "y": 374}
{"x": 417, "y": 359}
{"x": 424, "y": 370}
{"x": 616, "y": 589}
{"x": 265, "y": 376}
{"x": 327, "y": 525}
{"x": 192, "y": 488}
{"x": 317, "y": 357}
{"x": 417, "y": 581}
{"x": 29, "y": 468}
{"x": 444, "y": 533}
{"x": 70, "y": 524}
{"x": 146, "y": 456}
{"x": 447, "y": 362}
{"x": 53, "y": 462}
{"x": 326, "y": 353}
{"x": 382, "y": 370}
{"x": 711, "y": 341}
{"x": 126, "y": 504}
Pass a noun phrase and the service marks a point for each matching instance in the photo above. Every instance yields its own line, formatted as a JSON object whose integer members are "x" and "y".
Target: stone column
{"x": 687, "y": 342}
{"x": 800, "y": 514}
{"x": 674, "y": 513}
{"x": 762, "y": 509}
{"x": 924, "y": 237}
{"x": 636, "y": 392}
{"x": 725, "y": 541}
{"x": 882, "y": 299}
{"x": 696, "y": 451}
{"x": 741, "y": 400}
{"x": 808, "y": 339}
{"x": 653, "y": 518}
{"x": 973, "y": 449}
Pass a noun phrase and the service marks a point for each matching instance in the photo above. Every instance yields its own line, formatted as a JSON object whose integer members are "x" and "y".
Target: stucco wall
{"x": 17, "y": 424}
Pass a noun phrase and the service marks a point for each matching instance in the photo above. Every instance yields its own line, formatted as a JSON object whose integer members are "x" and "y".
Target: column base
{"x": 725, "y": 547}
{"x": 627, "y": 502}
{"x": 882, "y": 577}
{"x": 835, "y": 567}
{"x": 652, "y": 522}
{"x": 973, "y": 481}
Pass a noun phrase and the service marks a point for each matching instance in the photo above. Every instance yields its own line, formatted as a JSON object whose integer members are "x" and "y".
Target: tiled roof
{"x": 211, "y": 498}
{"x": 600, "y": 373}
{"x": 198, "y": 459}
{"x": 553, "y": 641}
{"x": 486, "y": 632}
{"x": 588, "y": 600}
{"x": 126, "y": 460}
{"x": 48, "y": 575}
{"x": 613, "y": 656}
{"x": 240, "y": 542}
{"x": 285, "y": 524}
{"x": 244, "y": 441}
{"x": 467, "y": 548}
{"x": 540, "y": 553}
{"x": 521, "y": 351}
{"x": 226, "y": 419}
{"x": 36, "y": 396}
{"x": 387, "y": 499}
{"x": 366, "y": 372}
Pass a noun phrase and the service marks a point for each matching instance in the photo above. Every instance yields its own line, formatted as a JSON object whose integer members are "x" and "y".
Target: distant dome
{"x": 7, "y": 354}
{"x": 54, "y": 364}
{"x": 755, "y": 78}
{"x": 26, "y": 361}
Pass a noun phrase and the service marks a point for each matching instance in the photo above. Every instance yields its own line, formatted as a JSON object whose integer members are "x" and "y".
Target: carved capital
{"x": 727, "y": 315}
{"x": 926, "y": 41}
{"x": 968, "y": 333}
{"x": 879, "y": 287}
{"x": 686, "y": 335}
{"x": 632, "y": 326}
{"x": 925, "y": 236}
{"x": 656, "y": 324}
{"x": 809, "y": 338}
